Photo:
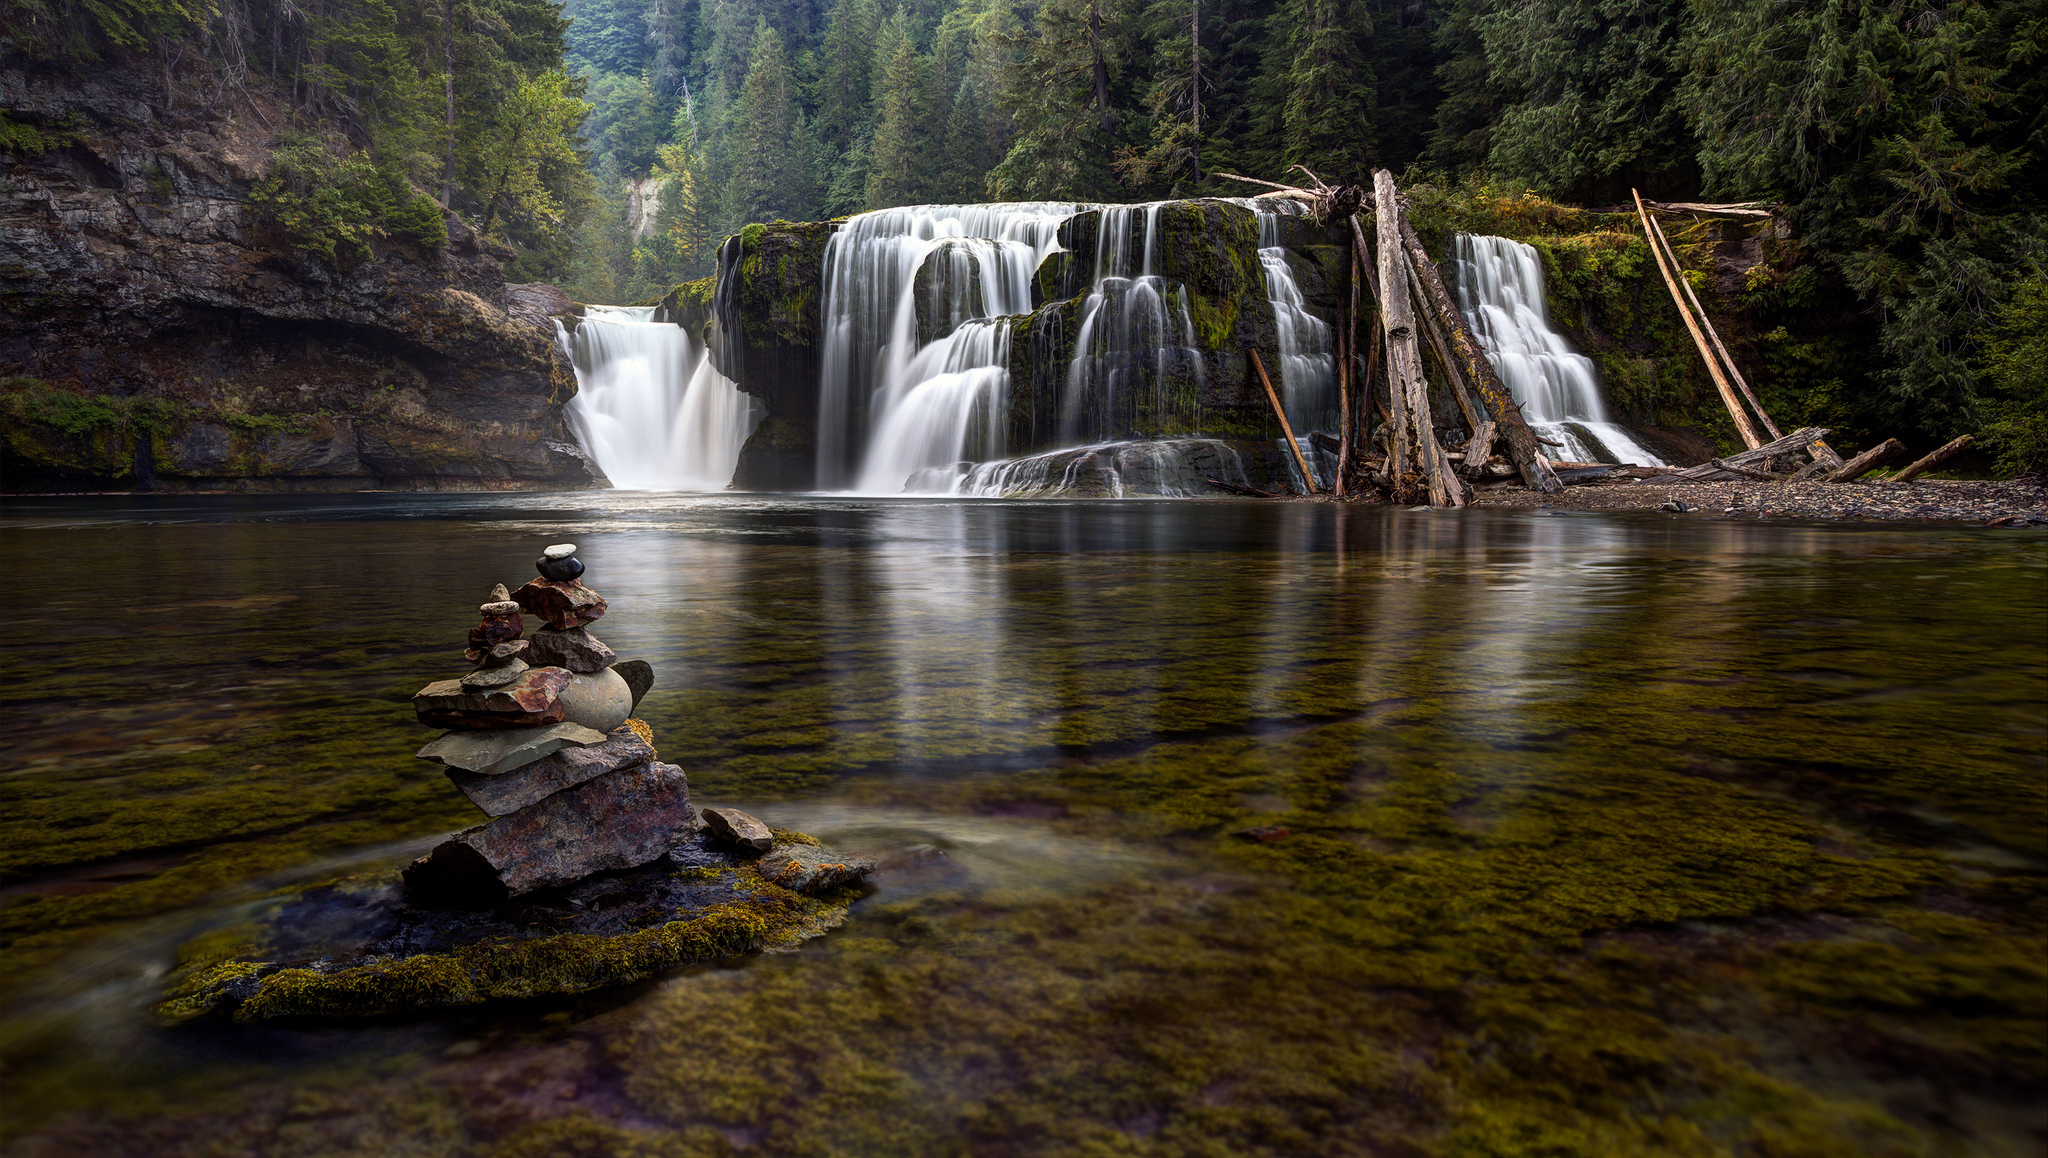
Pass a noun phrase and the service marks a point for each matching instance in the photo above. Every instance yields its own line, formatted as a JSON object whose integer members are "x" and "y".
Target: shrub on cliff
{"x": 335, "y": 206}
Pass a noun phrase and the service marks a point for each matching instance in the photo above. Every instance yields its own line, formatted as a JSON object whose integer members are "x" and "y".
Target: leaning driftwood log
{"x": 1464, "y": 344}
{"x": 1742, "y": 424}
{"x": 1308, "y": 478}
{"x": 1750, "y": 463}
{"x": 1467, "y": 405}
{"x": 1869, "y": 460}
{"x": 1404, "y": 357}
{"x": 1933, "y": 459}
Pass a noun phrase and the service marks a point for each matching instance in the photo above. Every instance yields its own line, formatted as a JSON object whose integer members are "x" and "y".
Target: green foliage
{"x": 81, "y": 30}
{"x": 2016, "y": 364}
{"x": 336, "y": 206}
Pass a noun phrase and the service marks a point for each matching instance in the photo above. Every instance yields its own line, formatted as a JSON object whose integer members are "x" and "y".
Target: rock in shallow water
{"x": 533, "y": 697}
{"x": 505, "y": 792}
{"x": 808, "y": 869}
{"x": 506, "y": 749}
{"x": 738, "y": 828}
{"x": 615, "y": 821}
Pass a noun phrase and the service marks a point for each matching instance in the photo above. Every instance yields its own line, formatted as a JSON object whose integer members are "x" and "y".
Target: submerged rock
{"x": 617, "y": 820}
{"x": 806, "y": 868}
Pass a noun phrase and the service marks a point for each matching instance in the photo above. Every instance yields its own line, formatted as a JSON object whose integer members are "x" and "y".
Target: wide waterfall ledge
{"x": 926, "y": 312}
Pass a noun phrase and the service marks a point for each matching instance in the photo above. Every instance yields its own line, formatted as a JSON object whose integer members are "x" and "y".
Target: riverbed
{"x": 1217, "y": 827}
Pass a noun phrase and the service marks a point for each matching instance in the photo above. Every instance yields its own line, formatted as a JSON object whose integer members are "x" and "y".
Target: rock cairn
{"x": 539, "y": 737}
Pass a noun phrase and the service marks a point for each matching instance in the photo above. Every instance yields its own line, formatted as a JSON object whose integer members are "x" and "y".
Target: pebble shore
{"x": 2021, "y": 502}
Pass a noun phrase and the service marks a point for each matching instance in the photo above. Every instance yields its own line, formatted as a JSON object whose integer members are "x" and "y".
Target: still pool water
{"x": 1608, "y": 834}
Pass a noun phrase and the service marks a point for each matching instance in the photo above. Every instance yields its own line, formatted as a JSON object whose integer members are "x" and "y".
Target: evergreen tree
{"x": 1070, "y": 98}
{"x": 1329, "y": 85}
{"x": 897, "y": 152}
{"x": 768, "y": 161}
{"x": 1595, "y": 113}
{"x": 845, "y": 64}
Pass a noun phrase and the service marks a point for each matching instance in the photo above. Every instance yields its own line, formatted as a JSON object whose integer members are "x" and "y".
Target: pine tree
{"x": 845, "y": 63}
{"x": 1328, "y": 115}
{"x": 1070, "y": 101}
{"x": 768, "y": 169}
{"x": 897, "y": 154}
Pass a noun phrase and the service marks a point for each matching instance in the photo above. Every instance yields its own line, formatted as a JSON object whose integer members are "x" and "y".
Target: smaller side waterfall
{"x": 1500, "y": 292}
{"x": 649, "y": 406}
{"x": 1307, "y": 349}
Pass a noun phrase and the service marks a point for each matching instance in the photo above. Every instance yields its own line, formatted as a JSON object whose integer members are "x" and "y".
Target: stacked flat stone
{"x": 541, "y": 741}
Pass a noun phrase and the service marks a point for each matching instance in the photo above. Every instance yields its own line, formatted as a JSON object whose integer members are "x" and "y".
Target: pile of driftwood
{"x": 1390, "y": 442}
{"x": 1389, "y": 439}
{"x": 1777, "y": 460}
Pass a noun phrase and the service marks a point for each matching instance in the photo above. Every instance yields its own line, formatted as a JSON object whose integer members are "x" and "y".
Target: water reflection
{"x": 1498, "y": 737}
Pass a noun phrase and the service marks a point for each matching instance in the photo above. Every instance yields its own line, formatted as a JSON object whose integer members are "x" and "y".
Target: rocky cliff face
{"x": 159, "y": 334}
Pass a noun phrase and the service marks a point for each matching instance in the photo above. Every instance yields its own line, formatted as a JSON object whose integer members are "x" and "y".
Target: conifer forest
{"x": 616, "y": 143}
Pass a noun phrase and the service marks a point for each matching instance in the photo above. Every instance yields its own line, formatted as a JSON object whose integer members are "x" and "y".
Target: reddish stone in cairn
{"x": 532, "y": 699}
{"x": 501, "y": 625}
{"x": 619, "y": 820}
{"x": 564, "y": 604}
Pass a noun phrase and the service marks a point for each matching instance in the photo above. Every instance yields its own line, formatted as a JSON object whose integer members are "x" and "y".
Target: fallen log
{"x": 1479, "y": 448}
{"x": 1869, "y": 460}
{"x": 1742, "y": 424}
{"x": 1744, "y": 465}
{"x": 1507, "y": 415}
{"x": 1308, "y": 478}
{"x": 1713, "y": 335}
{"x": 1235, "y": 489}
{"x": 1933, "y": 459}
{"x": 1467, "y": 405}
{"x": 1404, "y": 355}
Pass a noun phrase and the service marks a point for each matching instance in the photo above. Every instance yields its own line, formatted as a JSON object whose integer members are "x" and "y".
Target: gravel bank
{"x": 1932, "y": 500}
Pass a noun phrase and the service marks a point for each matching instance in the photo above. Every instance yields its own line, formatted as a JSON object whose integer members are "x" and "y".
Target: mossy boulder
{"x": 700, "y": 903}
{"x": 764, "y": 333}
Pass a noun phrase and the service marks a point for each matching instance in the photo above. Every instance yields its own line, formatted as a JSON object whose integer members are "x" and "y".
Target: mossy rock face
{"x": 764, "y": 322}
{"x": 697, "y": 904}
{"x": 690, "y": 305}
{"x": 948, "y": 288}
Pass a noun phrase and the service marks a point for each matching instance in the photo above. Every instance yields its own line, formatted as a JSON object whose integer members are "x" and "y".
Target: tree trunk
{"x": 1934, "y": 459}
{"x": 1195, "y": 92}
{"x": 1742, "y": 424}
{"x": 1404, "y": 357}
{"x": 1522, "y": 447}
{"x": 1862, "y": 464}
{"x": 448, "y": 91}
{"x": 1459, "y": 394}
{"x": 1101, "y": 66}
{"x": 1308, "y": 477}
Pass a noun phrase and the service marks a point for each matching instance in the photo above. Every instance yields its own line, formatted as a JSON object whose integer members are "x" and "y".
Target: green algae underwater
{"x": 1607, "y": 834}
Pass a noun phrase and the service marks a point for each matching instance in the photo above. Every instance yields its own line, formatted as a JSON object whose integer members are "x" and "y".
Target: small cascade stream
{"x": 1500, "y": 292}
{"x": 649, "y": 406}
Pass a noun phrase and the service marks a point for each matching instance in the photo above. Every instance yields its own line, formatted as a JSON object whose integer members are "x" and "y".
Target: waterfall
{"x": 1307, "y": 346}
{"x": 889, "y": 401}
{"x": 1500, "y": 292}
{"x": 649, "y": 406}
{"x": 914, "y": 367}
{"x": 1131, "y": 330}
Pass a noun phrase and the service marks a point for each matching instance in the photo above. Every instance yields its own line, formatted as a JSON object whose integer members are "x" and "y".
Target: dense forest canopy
{"x": 1907, "y": 139}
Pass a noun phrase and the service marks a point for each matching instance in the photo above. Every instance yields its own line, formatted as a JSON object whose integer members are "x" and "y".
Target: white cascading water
{"x": 1500, "y": 292}
{"x": 898, "y": 412}
{"x": 649, "y": 406}
{"x": 1307, "y": 354}
{"x": 1129, "y": 325}
{"x": 888, "y": 404}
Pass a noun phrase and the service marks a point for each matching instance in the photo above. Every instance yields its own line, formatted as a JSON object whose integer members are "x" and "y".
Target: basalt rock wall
{"x": 160, "y": 333}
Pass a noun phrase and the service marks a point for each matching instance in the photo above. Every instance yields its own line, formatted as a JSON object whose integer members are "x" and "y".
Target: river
{"x": 1604, "y": 833}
